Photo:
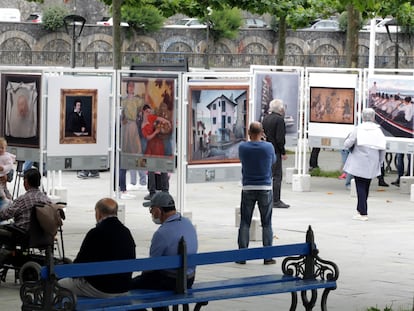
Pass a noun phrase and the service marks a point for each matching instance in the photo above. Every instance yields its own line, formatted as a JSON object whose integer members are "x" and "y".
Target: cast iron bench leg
{"x": 309, "y": 304}
{"x": 294, "y": 303}
{"x": 199, "y": 305}
{"x": 324, "y": 299}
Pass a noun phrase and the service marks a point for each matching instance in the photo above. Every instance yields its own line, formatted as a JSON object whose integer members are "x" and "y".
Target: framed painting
{"x": 148, "y": 127}
{"x": 20, "y": 109}
{"x": 78, "y": 116}
{"x": 332, "y": 105}
{"x": 391, "y": 96}
{"x": 218, "y": 122}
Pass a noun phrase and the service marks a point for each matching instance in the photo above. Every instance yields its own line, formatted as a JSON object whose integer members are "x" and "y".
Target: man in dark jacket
{"x": 109, "y": 240}
{"x": 275, "y": 131}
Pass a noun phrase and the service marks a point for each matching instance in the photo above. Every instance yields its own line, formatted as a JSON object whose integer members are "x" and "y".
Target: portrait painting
{"x": 391, "y": 97}
{"x": 78, "y": 113}
{"x": 21, "y": 109}
{"x": 218, "y": 122}
{"x": 332, "y": 105}
{"x": 281, "y": 85}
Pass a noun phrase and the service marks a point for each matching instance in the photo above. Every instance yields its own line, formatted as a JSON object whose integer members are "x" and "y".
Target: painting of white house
{"x": 218, "y": 123}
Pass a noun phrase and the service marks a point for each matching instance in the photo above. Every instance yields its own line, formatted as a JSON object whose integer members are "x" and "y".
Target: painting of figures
{"x": 332, "y": 105}
{"x": 392, "y": 99}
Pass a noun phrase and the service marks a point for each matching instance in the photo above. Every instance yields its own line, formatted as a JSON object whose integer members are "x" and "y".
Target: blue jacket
{"x": 257, "y": 158}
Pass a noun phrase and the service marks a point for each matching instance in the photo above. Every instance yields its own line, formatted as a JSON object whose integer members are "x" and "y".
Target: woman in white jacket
{"x": 367, "y": 145}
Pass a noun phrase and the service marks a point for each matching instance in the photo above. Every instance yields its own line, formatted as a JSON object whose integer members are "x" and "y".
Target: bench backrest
{"x": 176, "y": 262}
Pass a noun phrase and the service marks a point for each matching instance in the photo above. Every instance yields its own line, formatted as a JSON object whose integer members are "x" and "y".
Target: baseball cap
{"x": 161, "y": 199}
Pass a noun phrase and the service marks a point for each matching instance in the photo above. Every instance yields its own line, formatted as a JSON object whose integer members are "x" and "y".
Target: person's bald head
{"x": 105, "y": 207}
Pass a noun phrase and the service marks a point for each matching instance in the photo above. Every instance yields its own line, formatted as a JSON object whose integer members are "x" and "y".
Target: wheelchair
{"x": 27, "y": 251}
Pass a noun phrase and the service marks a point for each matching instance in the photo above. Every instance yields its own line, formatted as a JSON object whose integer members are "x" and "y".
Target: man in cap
{"x": 165, "y": 242}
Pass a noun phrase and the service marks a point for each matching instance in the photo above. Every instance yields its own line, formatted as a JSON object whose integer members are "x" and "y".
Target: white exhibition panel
{"x": 332, "y": 134}
{"x": 83, "y": 82}
{"x": 199, "y": 89}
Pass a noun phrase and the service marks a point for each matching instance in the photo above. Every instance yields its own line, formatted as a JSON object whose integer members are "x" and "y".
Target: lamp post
{"x": 393, "y": 22}
{"x": 74, "y": 25}
{"x": 207, "y": 61}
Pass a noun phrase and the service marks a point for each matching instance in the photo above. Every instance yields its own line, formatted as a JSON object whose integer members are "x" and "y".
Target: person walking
{"x": 275, "y": 131}
{"x": 367, "y": 152}
{"x": 257, "y": 157}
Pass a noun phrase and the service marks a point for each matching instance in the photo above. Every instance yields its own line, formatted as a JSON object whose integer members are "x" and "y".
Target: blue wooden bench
{"x": 302, "y": 272}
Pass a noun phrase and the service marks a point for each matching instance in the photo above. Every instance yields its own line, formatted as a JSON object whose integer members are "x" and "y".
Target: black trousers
{"x": 158, "y": 182}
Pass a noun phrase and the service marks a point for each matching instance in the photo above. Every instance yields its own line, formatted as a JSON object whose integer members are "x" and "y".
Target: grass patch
{"x": 317, "y": 172}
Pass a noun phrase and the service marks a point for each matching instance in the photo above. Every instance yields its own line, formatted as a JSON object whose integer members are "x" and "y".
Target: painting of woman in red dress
{"x": 151, "y": 126}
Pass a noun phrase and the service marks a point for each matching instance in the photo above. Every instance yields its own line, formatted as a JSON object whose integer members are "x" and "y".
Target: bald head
{"x": 105, "y": 207}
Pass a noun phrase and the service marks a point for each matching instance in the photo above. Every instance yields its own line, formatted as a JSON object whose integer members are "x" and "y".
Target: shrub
{"x": 52, "y": 18}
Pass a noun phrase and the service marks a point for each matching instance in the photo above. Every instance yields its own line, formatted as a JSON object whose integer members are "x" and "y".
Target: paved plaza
{"x": 375, "y": 258}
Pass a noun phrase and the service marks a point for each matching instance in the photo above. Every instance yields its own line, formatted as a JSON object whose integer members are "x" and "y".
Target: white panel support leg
{"x": 301, "y": 183}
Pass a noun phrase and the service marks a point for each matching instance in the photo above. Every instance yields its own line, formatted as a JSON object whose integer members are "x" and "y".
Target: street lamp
{"x": 209, "y": 12}
{"x": 393, "y": 22}
{"x": 74, "y": 25}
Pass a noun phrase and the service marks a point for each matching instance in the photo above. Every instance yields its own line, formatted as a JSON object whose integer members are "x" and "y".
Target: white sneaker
{"x": 360, "y": 217}
{"x": 131, "y": 187}
{"x": 127, "y": 196}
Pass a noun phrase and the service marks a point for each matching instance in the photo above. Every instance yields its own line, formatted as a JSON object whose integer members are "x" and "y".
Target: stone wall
{"x": 27, "y": 37}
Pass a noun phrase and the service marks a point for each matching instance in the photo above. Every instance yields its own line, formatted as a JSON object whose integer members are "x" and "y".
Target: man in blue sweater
{"x": 257, "y": 157}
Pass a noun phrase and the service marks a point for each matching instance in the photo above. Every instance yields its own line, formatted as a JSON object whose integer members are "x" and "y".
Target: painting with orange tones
{"x": 332, "y": 105}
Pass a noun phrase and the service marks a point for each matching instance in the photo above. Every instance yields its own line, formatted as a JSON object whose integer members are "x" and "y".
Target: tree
{"x": 402, "y": 10}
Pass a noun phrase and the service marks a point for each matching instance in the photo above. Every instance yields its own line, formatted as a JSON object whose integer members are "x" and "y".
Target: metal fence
{"x": 236, "y": 61}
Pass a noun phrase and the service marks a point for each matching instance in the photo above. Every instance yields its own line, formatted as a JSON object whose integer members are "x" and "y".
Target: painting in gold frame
{"x": 78, "y": 126}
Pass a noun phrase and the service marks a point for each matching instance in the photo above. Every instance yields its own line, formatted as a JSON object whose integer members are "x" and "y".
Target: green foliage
{"x": 146, "y": 18}
{"x": 225, "y": 23}
{"x": 343, "y": 21}
{"x": 52, "y": 18}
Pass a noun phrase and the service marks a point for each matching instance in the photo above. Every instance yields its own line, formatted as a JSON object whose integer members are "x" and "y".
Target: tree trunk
{"x": 116, "y": 33}
{"x": 351, "y": 46}
{"x": 281, "y": 49}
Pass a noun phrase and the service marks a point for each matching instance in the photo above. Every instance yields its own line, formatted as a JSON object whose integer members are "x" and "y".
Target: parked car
{"x": 187, "y": 23}
{"x": 34, "y": 18}
{"x": 254, "y": 23}
{"x": 108, "y": 21}
{"x": 380, "y": 26}
{"x": 10, "y": 15}
{"x": 325, "y": 25}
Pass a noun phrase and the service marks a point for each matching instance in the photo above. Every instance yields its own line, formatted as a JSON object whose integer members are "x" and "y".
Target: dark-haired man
{"x": 21, "y": 209}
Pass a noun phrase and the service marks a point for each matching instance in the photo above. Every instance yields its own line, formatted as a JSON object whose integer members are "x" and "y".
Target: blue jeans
{"x": 142, "y": 177}
{"x": 264, "y": 199}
